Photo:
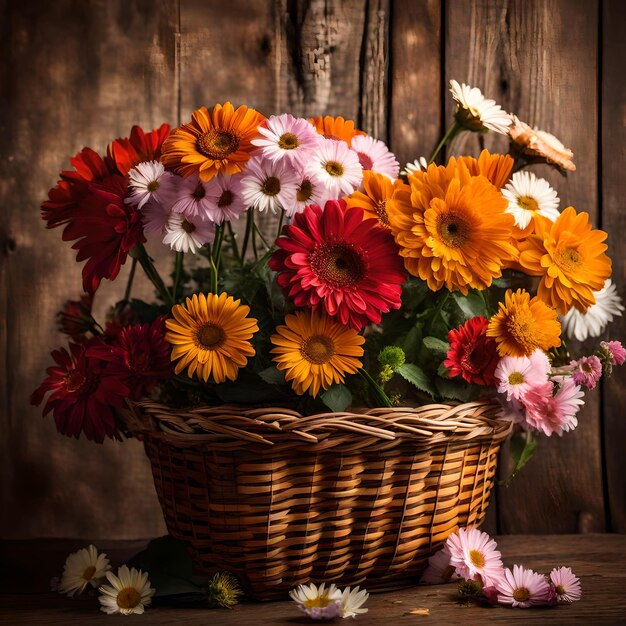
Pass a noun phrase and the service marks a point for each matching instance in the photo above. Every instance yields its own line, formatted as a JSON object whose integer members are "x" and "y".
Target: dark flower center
{"x": 74, "y": 380}
{"x": 188, "y": 227}
{"x": 288, "y": 141}
{"x": 304, "y": 191}
{"x": 318, "y": 349}
{"x": 381, "y": 213}
{"x": 89, "y": 572}
{"x": 365, "y": 161}
{"x": 471, "y": 361}
{"x": 338, "y": 264}
{"x": 521, "y": 594}
{"x": 217, "y": 144}
{"x": 271, "y": 186}
{"x": 226, "y": 199}
{"x": 453, "y": 230}
{"x": 128, "y": 598}
{"x": 199, "y": 192}
{"x": 569, "y": 259}
{"x": 210, "y": 336}
{"x": 334, "y": 168}
{"x": 153, "y": 185}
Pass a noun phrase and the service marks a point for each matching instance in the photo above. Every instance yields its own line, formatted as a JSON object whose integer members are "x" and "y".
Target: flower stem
{"x": 140, "y": 253}
{"x": 379, "y": 395}
{"x": 254, "y": 232}
{"x": 233, "y": 242}
{"x": 131, "y": 277}
{"x": 449, "y": 136}
{"x": 260, "y": 234}
{"x": 178, "y": 270}
{"x": 217, "y": 245}
{"x": 280, "y": 223}
{"x": 438, "y": 309}
{"x": 246, "y": 237}
{"x": 214, "y": 279}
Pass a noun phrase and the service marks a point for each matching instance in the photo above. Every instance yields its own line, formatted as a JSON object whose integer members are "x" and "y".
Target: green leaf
{"x": 412, "y": 341}
{"x": 273, "y": 376}
{"x": 456, "y": 390}
{"x": 437, "y": 346}
{"x": 416, "y": 376}
{"x": 522, "y": 448}
{"x": 471, "y": 305}
{"x": 337, "y": 398}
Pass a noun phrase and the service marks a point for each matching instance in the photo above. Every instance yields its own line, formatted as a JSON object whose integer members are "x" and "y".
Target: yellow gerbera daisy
{"x": 570, "y": 257}
{"x": 210, "y": 335}
{"x": 522, "y": 325}
{"x": 378, "y": 190}
{"x": 214, "y": 142}
{"x": 495, "y": 167}
{"x": 314, "y": 351}
{"x": 451, "y": 227}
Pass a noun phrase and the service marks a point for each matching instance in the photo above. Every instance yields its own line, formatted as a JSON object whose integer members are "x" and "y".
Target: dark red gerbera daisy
{"x": 107, "y": 228}
{"x": 125, "y": 153}
{"x": 75, "y": 318}
{"x": 332, "y": 259}
{"x": 84, "y": 393}
{"x": 472, "y": 354}
{"x": 140, "y": 356}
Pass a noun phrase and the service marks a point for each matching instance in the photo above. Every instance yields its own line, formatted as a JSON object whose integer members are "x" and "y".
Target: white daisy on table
{"x": 309, "y": 191}
{"x": 375, "y": 155}
{"x": 352, "y": 601}
{"x": 528, "y": 196}
{"x": 566, "y": 585}
{"x": 336, "y": 167}
{"x": 287, "y": 137}
{"x": 83, "y": 567}
{"x": 149, "y": 181}
{"x": 608, "y": 305}
{"x": 269, "y": 186}
{"x": 318, "y": 603}
{"x": 129, "y": 592}
{"x": 419, "y": 165}
{"x": 225, "y": 198}
{"x": 475, "y": 112}
{"x": 191, "y": 197}
{"x": 187, "y": 234}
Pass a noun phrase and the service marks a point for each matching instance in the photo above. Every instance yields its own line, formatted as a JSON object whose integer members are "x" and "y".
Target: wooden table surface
{"x": 599, "y": 560}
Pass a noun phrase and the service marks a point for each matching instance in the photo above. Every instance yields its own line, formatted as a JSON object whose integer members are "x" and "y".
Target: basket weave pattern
{"x": 279, "y": 499}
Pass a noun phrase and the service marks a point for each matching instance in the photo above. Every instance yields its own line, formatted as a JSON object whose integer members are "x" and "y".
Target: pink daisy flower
{"x": 149, "y": 181}
{"x": 566, "y": 585}
{"x": 616, "y": 351}
{"x": 225, "y": 198}
{"x": 551, "y": 412}
{"x": 336, "y": 167}
{"x": 268, "y": 186}
{"x": 374, "y": 155}
{"x": 191, "y": 198}
{"x": 516, "y": 375}
{"x": 475, "y": 555}
{"x": 287, "y": 137}
{"x": 513, "y": 411}
{"x": 309, "y": 191}
{"x": 154, "y": 217}
{"x": 439, "y": 569}
{"x": 587, "y": 371}
{"x": 524, "y": 588}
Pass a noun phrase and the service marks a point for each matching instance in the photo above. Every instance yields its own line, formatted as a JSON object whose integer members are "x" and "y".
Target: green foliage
{"x": 416, "y": 376}
{"x": 522, "y": 447}
{"x": 337, "y": 398}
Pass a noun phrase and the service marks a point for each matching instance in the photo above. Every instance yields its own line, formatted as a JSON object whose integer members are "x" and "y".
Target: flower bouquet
{"x": 323, "y": 381}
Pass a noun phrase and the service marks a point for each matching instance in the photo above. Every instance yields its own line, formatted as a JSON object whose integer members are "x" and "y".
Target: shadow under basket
{"x": 279, "y": 499}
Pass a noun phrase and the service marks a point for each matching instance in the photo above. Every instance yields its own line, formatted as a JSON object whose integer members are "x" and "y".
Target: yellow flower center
{"x": 271, "y": 186}
{"x": 304, "y": 191}
{"x": 188, "y": 227}
{"x": 569, "y": 259}
{"x": 381, "y": 213}
{"x": 334, "y": 168}
{"x": 217, "y": 144}
{"x": 527, "y": 203}
{"x": 477, "y": 558}
{"x": 521, "y": 327}
{"x": 337, "y": 264}
{"x": 453, "y": 230}
{"x": 199, "y": 192}
{"x": 319, "y": 602}
{"x": 89, "y": 572}
{"x": 226, "y": 199}
{"x": 288, "y": 141}
{"x": 521, "y": 594}
{"x": 128, "y": 598}
{"x": 560, "y": 590}
{"x": 516, "y": 378}
{"x": 153, "y": 185}
{"x": 210, "y": 336}
{"x": 318, "y": 349}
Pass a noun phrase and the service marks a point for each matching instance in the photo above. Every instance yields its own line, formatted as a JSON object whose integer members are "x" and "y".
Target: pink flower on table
{"x": 587, "y": 371}
{"x": 475, "y": 555}
{"x": 616, "y": 350}
{"x": 439, "y": 569}
{"x": 551, "y": 412}
{"x": 524, "y": 588}
{"x": 566, "y": 585}
{"x": 515, "y": 375}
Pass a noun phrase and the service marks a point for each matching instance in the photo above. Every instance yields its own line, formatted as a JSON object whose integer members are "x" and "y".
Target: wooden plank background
{"x": 80, "y": 73}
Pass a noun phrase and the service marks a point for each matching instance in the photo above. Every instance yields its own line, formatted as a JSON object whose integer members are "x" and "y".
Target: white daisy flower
{"x": 375, "y": 155}
{"x": 150, "y": 181}
{"x": 309, "y": 191}
{"x": 476, "y": 112}
{"x": 225, "y": 198}
{"x": 592, "y": 323}
{"x": 187, "y": 234}
{"x": 419, "y": 165}
{"x": 82, "y": 568}
{"x": 352, "y": 601}
{"x": 269, "y": 186}
{"x": 128, "y": 593}
{"x": 336, "y": 167}
{"x": 527, "y": 196}
{"x": 318, "y": 603}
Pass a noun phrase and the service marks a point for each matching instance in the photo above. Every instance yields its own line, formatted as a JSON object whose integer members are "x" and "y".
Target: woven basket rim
{"x": 235, "y": 426}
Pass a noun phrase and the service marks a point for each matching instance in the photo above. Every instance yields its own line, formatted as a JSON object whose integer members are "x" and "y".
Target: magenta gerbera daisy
{"x": 587, "y": 371}
{"x": 375, "y": 155}
{"x": 524, "y": 588}
{"x": 475, "y": 555}
{"x": 334, "y": 260}
{"x": 566, "y": 585}
{"x": 225, "y": 198}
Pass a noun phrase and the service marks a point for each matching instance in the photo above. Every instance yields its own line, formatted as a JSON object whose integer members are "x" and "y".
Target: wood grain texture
{"x": 539, "y": 59}
{"x": 597, "y": 559}
{"x": 613, "y": 153}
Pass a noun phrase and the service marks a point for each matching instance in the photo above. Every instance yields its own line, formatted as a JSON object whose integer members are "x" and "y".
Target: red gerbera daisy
{"x": 332, "y": 259}
{"x": 125, "y": 153}
{"x": 140, "y": 356}
{"x": 75, "y": 318}
{"x": 84, "y": 393}
{"x": 106, "y": 228}
{"x": 472, "y": 354}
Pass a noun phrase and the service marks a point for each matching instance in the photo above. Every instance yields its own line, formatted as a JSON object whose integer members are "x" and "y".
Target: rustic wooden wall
{"x": 78, "y": 72}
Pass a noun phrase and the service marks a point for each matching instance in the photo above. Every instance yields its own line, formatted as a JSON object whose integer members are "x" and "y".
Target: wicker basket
{"x": 353, "y": 498}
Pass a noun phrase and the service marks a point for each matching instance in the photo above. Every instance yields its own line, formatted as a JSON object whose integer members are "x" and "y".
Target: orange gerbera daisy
{"x": 522, "y": 325}
{"x": 214, "y": 142}
{"x": 570, "y": 257}
{"x": 378, "y": 190}
{"x": 496, "y": 167}
{"x": 210, "y": 335}
{"x": 451, "y": 227}
{"x": 336, "y": 128}
{"x": 315, "y": 351}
